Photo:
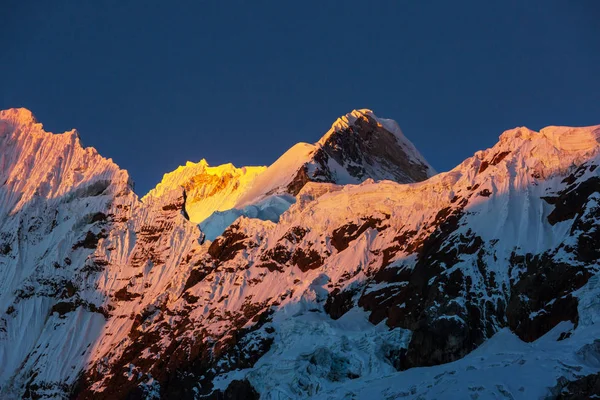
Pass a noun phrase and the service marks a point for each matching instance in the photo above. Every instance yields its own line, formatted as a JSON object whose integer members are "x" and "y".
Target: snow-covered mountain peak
{"x": 345, "y": 121}
{"x": 564, "y": 138}
{"x": 368, "y": 146}
{"x": 21, "y": 122}
{"x": 18, "y": 116}
{"x": 40, "y": 165}
{"x": 207, "y": 189}
{"x": 358, "y": 146}
{"x": 550, "y": 150}
{"x": 365, "y": 115}
{"x": 573, "y": 139}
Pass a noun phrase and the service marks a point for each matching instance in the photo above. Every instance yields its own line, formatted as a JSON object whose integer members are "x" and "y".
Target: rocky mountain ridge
{"x": 481, "y": 281}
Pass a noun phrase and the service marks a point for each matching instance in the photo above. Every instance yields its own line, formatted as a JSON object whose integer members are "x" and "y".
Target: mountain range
{"x": 347, "y": 269}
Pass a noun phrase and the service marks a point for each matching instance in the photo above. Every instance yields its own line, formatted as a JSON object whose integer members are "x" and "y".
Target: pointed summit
{"x": 370, "y": 147}
{"x": 358, "y": 146}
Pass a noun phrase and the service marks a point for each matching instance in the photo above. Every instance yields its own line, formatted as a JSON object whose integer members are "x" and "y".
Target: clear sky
{"x": 153, "y": 84}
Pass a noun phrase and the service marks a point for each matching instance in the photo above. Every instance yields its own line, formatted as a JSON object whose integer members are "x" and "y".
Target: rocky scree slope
{"x": 481, "y": 281}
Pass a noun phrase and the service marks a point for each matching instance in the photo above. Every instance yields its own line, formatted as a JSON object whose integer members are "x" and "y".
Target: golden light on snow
{"x": 208, "y": 189}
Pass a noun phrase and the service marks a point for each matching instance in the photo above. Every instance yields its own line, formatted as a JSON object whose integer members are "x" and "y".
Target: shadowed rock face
{"x": 302, "y": 179}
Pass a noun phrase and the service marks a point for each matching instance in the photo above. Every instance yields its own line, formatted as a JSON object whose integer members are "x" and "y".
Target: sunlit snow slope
{"x": 208, "y": 189}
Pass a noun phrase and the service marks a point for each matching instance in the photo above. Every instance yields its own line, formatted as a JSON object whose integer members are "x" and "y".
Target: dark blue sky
{"x": 153, "y": 84}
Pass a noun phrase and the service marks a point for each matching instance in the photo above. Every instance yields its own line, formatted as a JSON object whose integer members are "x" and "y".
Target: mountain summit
{"x": 346, "y": 269}
{"x": 358, "y": 146}
{"x": 208, "y": 189}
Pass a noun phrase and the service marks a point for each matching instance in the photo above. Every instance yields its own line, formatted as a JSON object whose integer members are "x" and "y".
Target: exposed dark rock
{"x": 495, "y": 160}
{"x": 240, "y": 390}
{"x": 94, "y": 265}
{"x": 177, "y": 205}
{"x": 97, "y": 188}
{"x": 295, "y": 234}
{"x": 440, "y": 341}
{"x": 170, "y": 207}
{"x": 191, "y": 299}
{"x": 298, "y": 182}
{"x": 226, "y": 246}
{"x": 5, "y": 249}
{"x": 307, "y": 260}
{"x": 571, "y": 201}
{"x": 65, "y": 307}
{"x": 153, "y": 233}
{"x": 541, "y": 298}
{"x": 192, "y": 361}
{"x": 98, "y": 217}
{"x": 588, "y": 229}
{"x": 183, "y": 208}
{"x": 499, "y": 157}
{"x": 483, "y": 166}
{"x": 196, "y": 276}
{"x": 91, "y": 240}
{"x": 572, "y": 178}
{"x": 69, "y": 290}
{"x": 366, "y": 143}
{"x": 443, "y": 330}
{"x": 340, "y": 302}
{"x": 124, "y": 295}
{"x": 342, "y": 236}
{"x": 271, "y": 266}
{"x": 279, "y": 254}
{"x": 584, "y": 388}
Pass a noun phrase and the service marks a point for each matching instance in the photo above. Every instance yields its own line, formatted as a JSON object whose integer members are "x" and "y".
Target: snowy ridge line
{"x": 230, "y": 192}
